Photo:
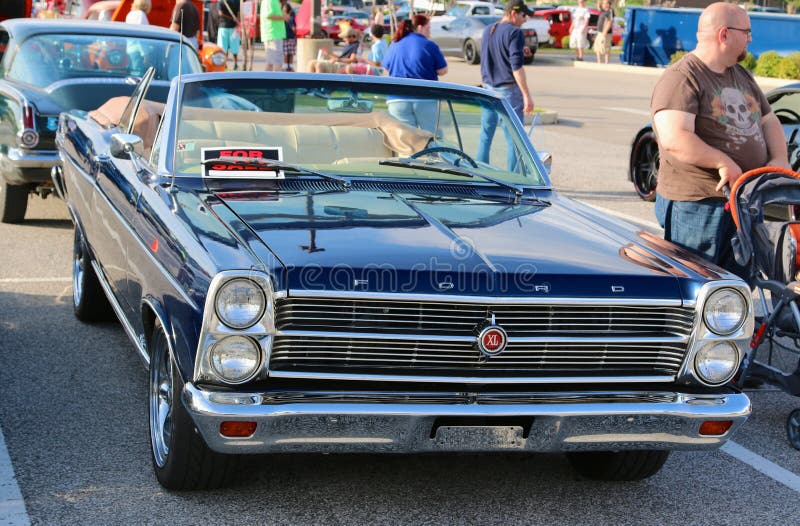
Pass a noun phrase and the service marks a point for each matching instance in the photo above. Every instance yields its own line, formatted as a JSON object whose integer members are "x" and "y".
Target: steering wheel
{"x": 791, "y": 113}
{"x": 445, "y": 149}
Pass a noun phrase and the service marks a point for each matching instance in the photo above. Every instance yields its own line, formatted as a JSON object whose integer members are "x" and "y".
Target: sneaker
{"x": 235, "y": 67}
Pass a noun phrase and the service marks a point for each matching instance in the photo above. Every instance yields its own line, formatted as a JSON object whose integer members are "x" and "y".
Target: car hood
{"x": 388, "y": 242}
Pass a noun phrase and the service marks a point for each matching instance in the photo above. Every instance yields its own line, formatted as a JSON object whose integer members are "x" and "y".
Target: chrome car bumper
{"x": 33, "y": 158}
{"x": 28, "y": 166}
{"x": 426, "y": 422}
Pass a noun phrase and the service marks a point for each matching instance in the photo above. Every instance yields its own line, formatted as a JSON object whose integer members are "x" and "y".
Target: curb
{"x": 764, "y": 82}
{"x": 543, "y": 117}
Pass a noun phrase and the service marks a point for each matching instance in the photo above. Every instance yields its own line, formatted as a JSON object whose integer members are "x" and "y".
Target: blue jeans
{"x": 421, "y": 113}
{"x": 489, "y": 120}
{"x": 703, "y": 227}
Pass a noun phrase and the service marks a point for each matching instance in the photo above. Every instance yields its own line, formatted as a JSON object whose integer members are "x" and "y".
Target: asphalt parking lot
{"x": 75, "y": 446}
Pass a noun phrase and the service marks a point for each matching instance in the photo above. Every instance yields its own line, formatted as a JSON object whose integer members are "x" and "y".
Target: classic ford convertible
{"x": 322, "y": 263}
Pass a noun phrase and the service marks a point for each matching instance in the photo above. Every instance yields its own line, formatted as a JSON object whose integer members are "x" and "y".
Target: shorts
{"x": 366, "y": 69}
{"x": 290, "y": 46}
{"x": 602, "y": 43}
{"x": 327, "y": 66}
{"x": 228, "y": 39}
{"x": 578, "y": 40}
{"x": 273, "y": 50}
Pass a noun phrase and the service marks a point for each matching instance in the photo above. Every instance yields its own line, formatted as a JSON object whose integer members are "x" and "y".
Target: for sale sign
{"x": 241, "y": 161}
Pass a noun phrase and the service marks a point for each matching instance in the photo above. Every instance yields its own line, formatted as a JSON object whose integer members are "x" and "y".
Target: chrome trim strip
{"x": 504, "y": 300}
{"x": 474, "y": 380}
{"x": 33, "y": 158}
{"x": 519, "y": 339}
{"x": 120, "y": 314}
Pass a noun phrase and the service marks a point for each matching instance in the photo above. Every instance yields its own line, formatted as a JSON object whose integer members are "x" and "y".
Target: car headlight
{"x": 235, "y": 359}
{"x": 218, "y": 58}
{"x": 725, "y": 311}
{"x": 240, "y": 303}
{"x": 716, "y": 362}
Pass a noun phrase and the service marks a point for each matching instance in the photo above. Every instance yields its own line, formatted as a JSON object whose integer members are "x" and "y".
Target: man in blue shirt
{"x": 502, "y": 55}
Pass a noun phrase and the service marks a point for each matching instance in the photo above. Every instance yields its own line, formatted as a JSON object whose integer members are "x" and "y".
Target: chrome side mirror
{"x": 126, "y": 146}
{"x": 547, "y": 160}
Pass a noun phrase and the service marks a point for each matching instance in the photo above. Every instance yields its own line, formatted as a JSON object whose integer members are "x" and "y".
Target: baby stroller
{"x": 763, "y": 203}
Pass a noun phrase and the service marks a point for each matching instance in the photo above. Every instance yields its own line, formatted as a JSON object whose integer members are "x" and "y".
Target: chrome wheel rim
{"x": 78, "y": 269}
{"x": 161, "y": 404}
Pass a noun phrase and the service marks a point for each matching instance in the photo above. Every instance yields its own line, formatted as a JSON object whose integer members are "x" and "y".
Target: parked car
{"x": 303, "y": 272}
{"x": 644, "y": 158}
{"x": 558, "y": 20}
{"x": 212, "y": 57}
{"x": 468, "y": 8}
{"x": 335, "y": 17}
{"x": 48, "y": 66}
{"x": 461, "y": 37}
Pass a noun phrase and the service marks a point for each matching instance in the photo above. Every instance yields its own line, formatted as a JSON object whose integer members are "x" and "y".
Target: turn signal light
{"x": 715, "y": 427}
{"x": 235, "y": 429}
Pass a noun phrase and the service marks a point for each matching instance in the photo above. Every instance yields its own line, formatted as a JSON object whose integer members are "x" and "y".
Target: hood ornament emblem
{"x": 492, "y": 339}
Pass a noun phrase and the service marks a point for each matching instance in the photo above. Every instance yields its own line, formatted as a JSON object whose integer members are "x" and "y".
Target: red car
{"x": 332, "y": 19}
{"x": 561, "y": 18}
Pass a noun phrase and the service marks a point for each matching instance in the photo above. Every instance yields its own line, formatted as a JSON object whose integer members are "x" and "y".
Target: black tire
{"x": 618, "y": 465}
{"x": 181, "y": 458}
{"x": 643, "y": 165}
{"x": 793, "y": 428}
{"x": 472, "y": 54}
{"x": 13, "y": 202}
{"x": 89, "y": 302}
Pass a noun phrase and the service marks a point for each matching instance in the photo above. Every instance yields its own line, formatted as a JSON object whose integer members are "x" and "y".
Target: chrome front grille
{"x": 335, "y": 336}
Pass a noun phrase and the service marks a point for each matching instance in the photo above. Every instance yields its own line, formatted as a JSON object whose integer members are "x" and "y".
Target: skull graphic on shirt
{"x": 738, "y": 115}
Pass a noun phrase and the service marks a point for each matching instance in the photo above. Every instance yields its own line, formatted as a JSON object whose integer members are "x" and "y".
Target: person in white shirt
{"x": 138, "y": 12}
{"x": 578, "y": 29}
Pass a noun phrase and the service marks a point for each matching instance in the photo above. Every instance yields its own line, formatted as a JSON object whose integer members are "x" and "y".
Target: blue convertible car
{"x": 322, "y": 263}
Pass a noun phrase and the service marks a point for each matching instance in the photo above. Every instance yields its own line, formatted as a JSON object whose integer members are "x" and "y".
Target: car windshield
{"x": 355, "y": 130}
{"x": 44, "y": 59}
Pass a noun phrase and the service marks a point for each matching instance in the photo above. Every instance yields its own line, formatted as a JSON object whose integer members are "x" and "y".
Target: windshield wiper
{"x": 274, "y": 163}
{"x": 407, "y": 162}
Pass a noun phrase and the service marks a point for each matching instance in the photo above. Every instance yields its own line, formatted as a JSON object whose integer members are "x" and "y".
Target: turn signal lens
{"x": 237, "y": 429}
{"x": 715, "y": 427}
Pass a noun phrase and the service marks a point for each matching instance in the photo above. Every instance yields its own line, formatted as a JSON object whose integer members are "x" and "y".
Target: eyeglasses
{"x": 747, "y": 31}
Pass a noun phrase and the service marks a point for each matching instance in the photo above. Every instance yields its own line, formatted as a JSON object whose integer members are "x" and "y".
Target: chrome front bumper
{"x": 426, "y": 422}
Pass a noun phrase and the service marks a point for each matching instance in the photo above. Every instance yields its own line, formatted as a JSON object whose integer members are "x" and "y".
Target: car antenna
{"x": 178, "y": 106}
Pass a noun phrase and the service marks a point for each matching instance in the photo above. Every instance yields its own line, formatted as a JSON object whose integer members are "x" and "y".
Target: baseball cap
{"x": 518, "y": 6}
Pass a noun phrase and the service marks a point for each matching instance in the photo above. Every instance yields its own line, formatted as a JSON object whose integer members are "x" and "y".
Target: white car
{"x": 541, "y": 26}
{"x": 468, "y": 8}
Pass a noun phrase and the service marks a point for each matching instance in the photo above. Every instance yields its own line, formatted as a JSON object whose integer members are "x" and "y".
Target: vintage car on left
{"x": 332, "y": 263}
{"x": 644, "y": 158}
{"x": 49, "y": 66}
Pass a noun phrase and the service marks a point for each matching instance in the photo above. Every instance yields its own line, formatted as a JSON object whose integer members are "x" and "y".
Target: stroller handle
{"x": 730, "y": 193}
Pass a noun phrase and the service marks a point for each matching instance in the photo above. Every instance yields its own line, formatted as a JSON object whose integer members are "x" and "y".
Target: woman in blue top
{"x": 413, "y": 56}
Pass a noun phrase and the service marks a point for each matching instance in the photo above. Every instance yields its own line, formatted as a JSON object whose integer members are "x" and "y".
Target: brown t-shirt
{"x": 728, "y": 108}
{"x": 191, "y": 18}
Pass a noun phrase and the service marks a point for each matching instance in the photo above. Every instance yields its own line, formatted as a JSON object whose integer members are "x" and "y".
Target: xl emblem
{"x": 492, "y": 339}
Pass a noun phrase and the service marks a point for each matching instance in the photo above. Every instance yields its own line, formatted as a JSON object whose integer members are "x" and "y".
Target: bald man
{"x": 712, "y": 123}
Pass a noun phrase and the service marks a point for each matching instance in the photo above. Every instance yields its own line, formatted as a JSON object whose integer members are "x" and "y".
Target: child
{"x": 372, "y": 64}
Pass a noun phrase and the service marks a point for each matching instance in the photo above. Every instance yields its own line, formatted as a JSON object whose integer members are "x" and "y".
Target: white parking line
{"x": 627, "y": 110}
{"x": 759, "y": 463}
{"x": 33, "y": 280}
{"x": 12, "y": 507}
